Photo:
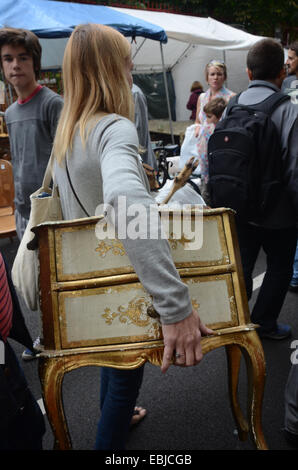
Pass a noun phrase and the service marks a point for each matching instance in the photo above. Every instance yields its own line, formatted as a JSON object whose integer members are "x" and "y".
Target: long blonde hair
{"x": 94, "y": 80}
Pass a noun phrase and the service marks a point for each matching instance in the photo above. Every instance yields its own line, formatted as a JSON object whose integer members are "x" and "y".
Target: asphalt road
{"x": 188, "y": 408}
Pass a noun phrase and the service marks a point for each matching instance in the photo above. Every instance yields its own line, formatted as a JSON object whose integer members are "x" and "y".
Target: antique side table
{"x": 96, "y": 312}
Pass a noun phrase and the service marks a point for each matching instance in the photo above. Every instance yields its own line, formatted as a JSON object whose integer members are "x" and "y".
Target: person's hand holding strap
{"x": 182, "y": 341}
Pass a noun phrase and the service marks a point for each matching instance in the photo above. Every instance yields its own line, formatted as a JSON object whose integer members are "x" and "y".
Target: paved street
{"x": 187, "y": 408}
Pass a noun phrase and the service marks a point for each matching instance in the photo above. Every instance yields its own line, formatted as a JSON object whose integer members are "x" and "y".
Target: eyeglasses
{"x": 216, "y": 62}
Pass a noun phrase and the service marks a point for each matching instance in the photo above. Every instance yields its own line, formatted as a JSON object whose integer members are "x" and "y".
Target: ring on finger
{"x": 177, "y": 355}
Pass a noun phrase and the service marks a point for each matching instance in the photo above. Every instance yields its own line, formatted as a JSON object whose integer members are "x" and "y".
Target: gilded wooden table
{"x": 96, "y": 312}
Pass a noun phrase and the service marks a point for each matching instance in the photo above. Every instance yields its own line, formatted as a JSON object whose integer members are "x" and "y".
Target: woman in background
{"x": 195, "y": 91}
{"x": 216, "y": 74}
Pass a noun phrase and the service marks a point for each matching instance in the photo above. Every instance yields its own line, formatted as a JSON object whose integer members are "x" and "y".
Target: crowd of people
{"x": 99, "y": 134}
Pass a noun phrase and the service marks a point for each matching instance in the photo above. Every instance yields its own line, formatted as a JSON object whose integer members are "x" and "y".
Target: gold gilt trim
{"x": 101, "y": 250}
{"x": 136, "y": 314}
{"x": 142, "y": 346}
{"x": 175, "y": 241}
{"x": 195, "y": 304}
{"x": 52, "y": 371}
{"x": 222, "y": 239}
{"x": 222, "y": 261}
{"x": 132, "y": 277}
{"x": 117, "y": 249}
{"x": 132, "y": 314}
{"x": 115, "y": 246}
{"x": 227, "y": 278}
{"x": 137, "y": 306}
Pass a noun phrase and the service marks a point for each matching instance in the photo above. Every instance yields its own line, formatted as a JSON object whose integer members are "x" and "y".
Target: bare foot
{"x": 139, "y": 414}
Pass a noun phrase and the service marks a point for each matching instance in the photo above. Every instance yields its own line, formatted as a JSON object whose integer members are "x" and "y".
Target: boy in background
{"x": 31, "y": 122}
{"x": 214, "y": 110}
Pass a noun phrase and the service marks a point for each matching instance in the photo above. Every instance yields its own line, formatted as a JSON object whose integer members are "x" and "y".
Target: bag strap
{"x": 47, "y": 179}
{"x": 68, "y": 175}
{"x": 72, "y": 188}
{"x": 195, "y": 186}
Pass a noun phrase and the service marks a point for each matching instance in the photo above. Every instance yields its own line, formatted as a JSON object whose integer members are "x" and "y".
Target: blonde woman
{"x": 98, "y": 140}
{"x": 216, "y": 74}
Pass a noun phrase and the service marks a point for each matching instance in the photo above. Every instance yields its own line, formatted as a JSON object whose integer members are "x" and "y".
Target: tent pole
{"x": 137, "y": 50}
{"x": 167, "y": 93}
{"x": 224, "y": 59}
{"x": 183, "y": 54}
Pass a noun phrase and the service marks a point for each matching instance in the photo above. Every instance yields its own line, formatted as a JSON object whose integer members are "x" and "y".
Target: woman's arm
{"x": 197, "y": 121}
{"x": 150, "y": 255}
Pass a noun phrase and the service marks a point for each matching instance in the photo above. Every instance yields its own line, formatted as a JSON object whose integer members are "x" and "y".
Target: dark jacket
{"x": 192, "y": 102}
{"x": 19, "y": 331}
{"x": 15, "y": 396}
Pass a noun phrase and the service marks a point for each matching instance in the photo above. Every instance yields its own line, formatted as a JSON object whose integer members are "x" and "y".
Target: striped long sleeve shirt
{"x": 6, "y": 307}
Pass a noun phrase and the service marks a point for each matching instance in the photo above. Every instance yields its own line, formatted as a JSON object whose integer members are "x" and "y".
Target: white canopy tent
{"x": 192, "y": 43}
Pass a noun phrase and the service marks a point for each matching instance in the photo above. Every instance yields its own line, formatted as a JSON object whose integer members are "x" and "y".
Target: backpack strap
{"x": 267, "y": 106}
{"x": 272, "y": 102}
{"x": 232, "y": 102}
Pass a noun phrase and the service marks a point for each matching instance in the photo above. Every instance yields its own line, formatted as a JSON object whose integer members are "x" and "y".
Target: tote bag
{"x": 45, "y": 206}
{"x": 189, "y": 148}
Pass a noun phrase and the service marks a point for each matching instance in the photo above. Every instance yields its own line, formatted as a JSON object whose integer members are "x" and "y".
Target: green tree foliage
{"x": 259, "y": 16}
{"x": 264, "y": 17}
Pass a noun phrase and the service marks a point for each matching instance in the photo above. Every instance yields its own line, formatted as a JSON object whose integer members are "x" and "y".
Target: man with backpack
{"x": 253, "y": 168}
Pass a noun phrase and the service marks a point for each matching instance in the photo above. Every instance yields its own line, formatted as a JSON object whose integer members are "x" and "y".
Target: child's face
{"x": 211, "y": 118}
{"x": 17, "y": 66}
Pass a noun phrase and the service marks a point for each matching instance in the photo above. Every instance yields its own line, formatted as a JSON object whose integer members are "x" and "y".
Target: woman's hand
{"x": 182, "y": 342}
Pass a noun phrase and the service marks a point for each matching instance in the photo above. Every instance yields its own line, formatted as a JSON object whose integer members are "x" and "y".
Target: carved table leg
{"x": 255, "y": 362}
{"x": 234, "y": 358}
{"x": 53, "y": 369}
{"x": 51, "y": 373}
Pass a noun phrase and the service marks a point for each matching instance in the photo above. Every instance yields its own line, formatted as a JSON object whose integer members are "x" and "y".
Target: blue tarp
{"x": 50, "y": 19}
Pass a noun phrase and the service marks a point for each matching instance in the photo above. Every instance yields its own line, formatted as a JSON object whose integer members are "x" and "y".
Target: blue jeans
{"x": 294, "y": 280}
{"x": 118, "y": 395}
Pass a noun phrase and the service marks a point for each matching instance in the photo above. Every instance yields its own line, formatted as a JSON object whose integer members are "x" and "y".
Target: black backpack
{"x": 244, "y": 154}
